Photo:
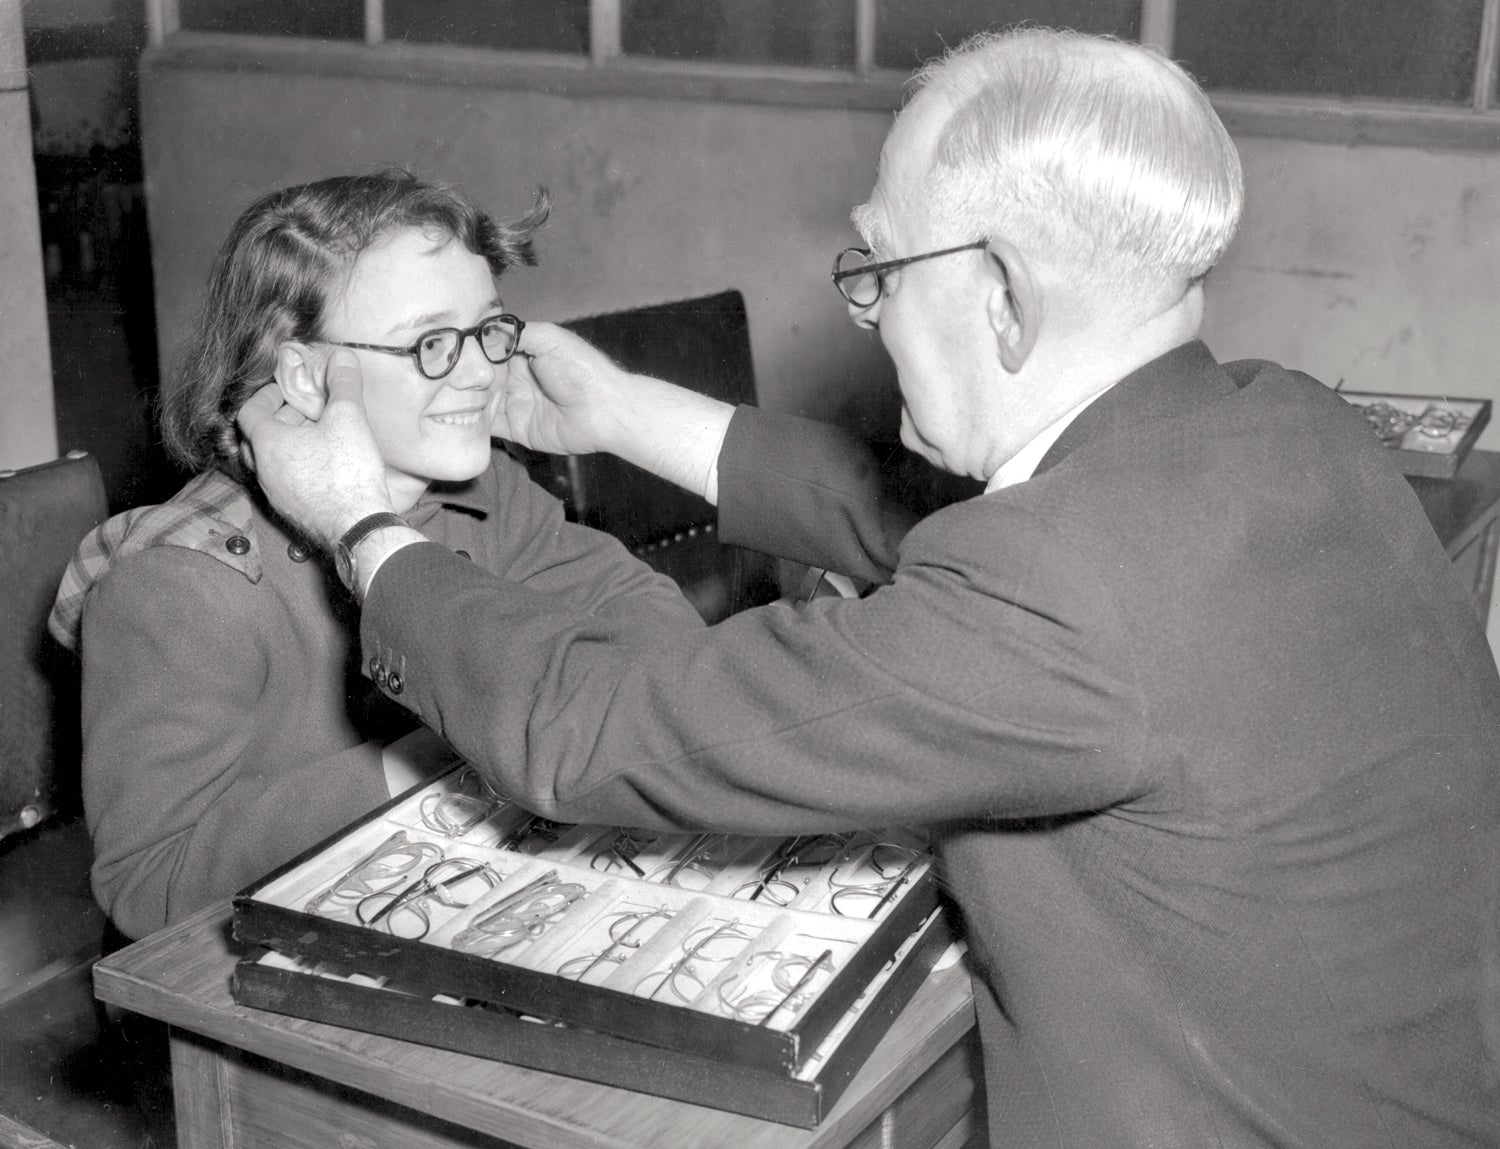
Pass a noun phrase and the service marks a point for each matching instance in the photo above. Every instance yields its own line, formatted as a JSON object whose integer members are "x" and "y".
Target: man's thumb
{"x": 539, "y": 338}
{"x": 343, "y": 377}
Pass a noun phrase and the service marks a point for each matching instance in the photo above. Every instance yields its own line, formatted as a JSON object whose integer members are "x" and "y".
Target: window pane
{"x": 326, "y": 20}
{"x": 1401, "y": 49}
{"x": 815, "y": 33}
{"x": 513, "y": 25}
{"x": 907, "y": 32}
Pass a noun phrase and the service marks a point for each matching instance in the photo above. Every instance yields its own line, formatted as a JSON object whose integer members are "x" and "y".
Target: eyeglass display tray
{"x": 1427, "y": 435}
{"x": 750, "y": 974}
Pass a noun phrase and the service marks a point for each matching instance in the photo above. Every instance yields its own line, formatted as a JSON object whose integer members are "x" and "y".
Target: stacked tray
{"x": 745, "y": 973}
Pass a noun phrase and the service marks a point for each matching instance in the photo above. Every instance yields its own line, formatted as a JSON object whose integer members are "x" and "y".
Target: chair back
{"x": 44, "y": 512}
{"x": 702, "y": 343}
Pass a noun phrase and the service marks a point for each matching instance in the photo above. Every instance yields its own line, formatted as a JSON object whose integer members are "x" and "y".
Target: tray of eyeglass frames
{"x": 732, "y": 954}
{"x": 1427, "y": 435}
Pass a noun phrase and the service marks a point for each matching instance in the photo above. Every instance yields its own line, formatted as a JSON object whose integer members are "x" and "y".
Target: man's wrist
{"x": 343, "y": 521}
{"x": 371, "y": 552}
{"x": 675, "y": 433}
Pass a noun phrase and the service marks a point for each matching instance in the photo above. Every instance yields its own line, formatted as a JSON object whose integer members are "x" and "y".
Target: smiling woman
{"x": 429, "y": 397}
{"x": 226, "y": 724}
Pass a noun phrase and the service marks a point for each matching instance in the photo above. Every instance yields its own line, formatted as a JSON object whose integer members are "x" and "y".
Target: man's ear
{"x": 299, "y": 375}
{"x": 1014, "y": 305}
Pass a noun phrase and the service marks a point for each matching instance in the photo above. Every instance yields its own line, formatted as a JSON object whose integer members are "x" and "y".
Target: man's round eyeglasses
{"x": 860, "y": 280}
{"x": 436, "y": 352}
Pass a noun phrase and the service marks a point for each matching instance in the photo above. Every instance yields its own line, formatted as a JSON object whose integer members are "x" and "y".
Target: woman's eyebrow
{"x": 441, "y": 318}
{"x": 430, "y": 319}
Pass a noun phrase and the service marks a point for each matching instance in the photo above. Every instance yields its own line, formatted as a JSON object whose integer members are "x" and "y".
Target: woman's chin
{"x": 458, "y": 464}
{"x": 459, "y": 471}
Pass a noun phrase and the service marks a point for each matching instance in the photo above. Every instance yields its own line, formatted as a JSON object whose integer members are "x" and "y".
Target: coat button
{"x": 395, "y": 683}
{"x": 237, "y": 545}
{"x": 298, "y": 552}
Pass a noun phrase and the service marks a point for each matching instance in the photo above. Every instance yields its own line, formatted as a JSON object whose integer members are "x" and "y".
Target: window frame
{"x": 606, "y": 71}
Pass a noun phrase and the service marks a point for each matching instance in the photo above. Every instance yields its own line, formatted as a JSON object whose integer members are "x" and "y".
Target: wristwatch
{"x": 343, "y": 551}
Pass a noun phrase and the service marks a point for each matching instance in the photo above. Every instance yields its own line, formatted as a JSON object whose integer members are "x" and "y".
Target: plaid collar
{"x": 212, "y": 515}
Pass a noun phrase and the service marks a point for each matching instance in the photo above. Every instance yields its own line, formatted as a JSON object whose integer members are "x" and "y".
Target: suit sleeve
{"x": 971, "y": 686}
{"x": 187, "y": 799}
{"x": 590, "y": 569}
{"x": 809, "y": 492}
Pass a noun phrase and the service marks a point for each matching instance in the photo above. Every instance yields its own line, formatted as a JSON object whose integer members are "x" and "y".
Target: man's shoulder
{"x": 1267, "y": 374}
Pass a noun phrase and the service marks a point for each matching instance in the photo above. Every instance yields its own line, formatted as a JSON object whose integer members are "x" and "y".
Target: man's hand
{"x": 323, "y": 475}
{"x": 562, "y": 396}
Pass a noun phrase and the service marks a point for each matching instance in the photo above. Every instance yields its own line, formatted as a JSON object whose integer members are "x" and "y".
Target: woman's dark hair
{"x": 274, "y": 277}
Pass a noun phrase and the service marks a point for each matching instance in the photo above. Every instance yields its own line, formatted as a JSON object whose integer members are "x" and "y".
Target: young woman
{"x": 226, "y": 724}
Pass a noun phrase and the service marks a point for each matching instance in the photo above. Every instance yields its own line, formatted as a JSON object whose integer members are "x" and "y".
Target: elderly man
{"x": 1204, "y": 724}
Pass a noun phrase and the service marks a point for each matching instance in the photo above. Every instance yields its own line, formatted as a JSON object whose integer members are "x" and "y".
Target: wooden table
{"x": 1465, "y": 512}
{"x": 243, "y": 1077}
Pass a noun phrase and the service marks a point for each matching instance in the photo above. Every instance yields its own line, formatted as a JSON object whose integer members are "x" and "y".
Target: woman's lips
{"x": 458, "y": 418}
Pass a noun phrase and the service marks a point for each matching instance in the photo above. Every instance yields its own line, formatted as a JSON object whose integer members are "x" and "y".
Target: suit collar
{"x": 1184, "y": 379}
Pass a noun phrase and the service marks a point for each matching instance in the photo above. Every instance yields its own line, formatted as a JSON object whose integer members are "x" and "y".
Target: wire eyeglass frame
{"x": 842, "y": 275}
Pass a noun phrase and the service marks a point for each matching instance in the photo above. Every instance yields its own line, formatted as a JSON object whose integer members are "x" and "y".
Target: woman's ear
{"x": 299, "y": 375}
{"x": 1015, "y": 304}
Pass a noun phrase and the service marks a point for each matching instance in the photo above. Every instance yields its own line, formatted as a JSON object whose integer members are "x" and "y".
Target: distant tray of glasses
{"x": 1427, "y": 435}
{"x": 745, "y": 973}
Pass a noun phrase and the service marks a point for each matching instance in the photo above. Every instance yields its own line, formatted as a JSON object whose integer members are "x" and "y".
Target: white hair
{"x": 1102, "y": 156}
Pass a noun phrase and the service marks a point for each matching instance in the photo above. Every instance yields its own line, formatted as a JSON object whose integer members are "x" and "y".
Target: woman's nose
{"x": 472, "y": 370}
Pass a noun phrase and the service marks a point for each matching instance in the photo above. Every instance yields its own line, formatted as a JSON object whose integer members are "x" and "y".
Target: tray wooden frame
{"x": 597, "y": 1032}
{"x": 801, "y": 1100}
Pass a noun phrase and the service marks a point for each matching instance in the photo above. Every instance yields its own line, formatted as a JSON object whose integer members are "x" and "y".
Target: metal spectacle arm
{"x": 549, "y": 830}
{"x": 807, "y": 975}
{"x": 727, "y": 929}
{"x": 523, "y": 912}
{"x": 621, "y": 942}
{"x": 895, "y": 884}
{"x": 397, "y": 845}
{"x": 686, "y": 856}
{"x": 454, "y": 815}
{"x": 422, "y": 887}
{"x": 619, "y": 848}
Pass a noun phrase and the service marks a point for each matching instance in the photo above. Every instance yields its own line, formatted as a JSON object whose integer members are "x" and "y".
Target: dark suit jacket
{"x": 1206, "y": 725}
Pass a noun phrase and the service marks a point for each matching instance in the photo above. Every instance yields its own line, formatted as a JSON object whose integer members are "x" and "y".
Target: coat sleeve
{"x": 589, "y": 569}
{"x": 977, "y": 684}
{"x": 188, "y": 794}
{"x": 809, "y": 492}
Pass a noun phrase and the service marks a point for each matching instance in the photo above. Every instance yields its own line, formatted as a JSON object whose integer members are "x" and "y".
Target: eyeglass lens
{"x": 860, "y": 290}
{"x": 438, "y": 351}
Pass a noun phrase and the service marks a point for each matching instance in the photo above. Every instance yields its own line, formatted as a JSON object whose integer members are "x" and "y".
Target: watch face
{"x": 343, "y": 563}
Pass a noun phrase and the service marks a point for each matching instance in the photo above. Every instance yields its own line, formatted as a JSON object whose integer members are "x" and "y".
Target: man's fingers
{"x": 515, "y": 389}
{"x": 540, "y": 339}
{"x": 261, "y": 406}
{"x": 537, "y": 338}
{"x": 343, "y": 377}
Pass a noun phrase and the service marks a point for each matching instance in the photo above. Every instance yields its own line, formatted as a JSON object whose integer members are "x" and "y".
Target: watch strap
{"x": 368, "y": 525}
